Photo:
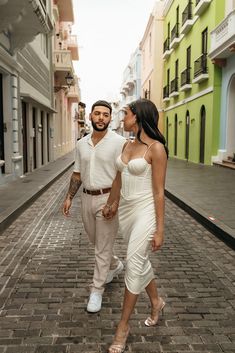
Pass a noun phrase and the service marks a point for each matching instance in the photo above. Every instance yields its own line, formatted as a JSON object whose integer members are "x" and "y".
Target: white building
{"x": 25, "y": 85}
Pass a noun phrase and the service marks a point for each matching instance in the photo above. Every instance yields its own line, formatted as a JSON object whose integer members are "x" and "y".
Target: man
{"x": 95, "y": 168}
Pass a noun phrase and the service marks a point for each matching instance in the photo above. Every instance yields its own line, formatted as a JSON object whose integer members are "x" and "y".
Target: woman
{"x": 141, "y": 180}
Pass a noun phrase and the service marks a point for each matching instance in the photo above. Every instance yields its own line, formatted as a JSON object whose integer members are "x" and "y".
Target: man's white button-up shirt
{"x": 97, "y": 164}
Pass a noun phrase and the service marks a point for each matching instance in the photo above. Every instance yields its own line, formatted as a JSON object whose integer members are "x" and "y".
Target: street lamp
{"x": 69, "y": 79}
{"x": 69, "y": 82}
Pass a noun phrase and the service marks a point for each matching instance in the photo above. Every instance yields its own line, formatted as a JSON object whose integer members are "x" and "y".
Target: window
{"x": 204, "y": 41}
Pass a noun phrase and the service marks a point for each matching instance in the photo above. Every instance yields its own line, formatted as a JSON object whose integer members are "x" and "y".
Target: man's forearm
{"x": 74, "y": 185}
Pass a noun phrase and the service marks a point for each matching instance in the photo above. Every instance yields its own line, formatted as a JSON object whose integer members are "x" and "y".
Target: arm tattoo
{"x": 75, "y": 184}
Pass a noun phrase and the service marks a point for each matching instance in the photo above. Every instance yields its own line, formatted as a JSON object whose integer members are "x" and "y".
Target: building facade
{"x": 36, "y": 122}
{"x": 65, "y": 51}
{"x": 20, "y": 70}
{"x": 130, "y": 90}
{"x": 151, "y": 47}
{"x": 222, "y": 54}
{"x": 192, "y": 83}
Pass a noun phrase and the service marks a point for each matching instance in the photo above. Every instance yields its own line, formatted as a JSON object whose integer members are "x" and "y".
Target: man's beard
{"x": 96, "y": 128}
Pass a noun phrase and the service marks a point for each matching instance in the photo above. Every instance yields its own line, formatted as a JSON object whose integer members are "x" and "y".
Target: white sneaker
{"x": 94, "y": 303}
{"x": 115, "y": 272}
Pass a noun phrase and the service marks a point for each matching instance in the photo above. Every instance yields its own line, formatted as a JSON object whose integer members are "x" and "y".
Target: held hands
{"x": 109, "y": 211}
{"x": 157, "y": 241}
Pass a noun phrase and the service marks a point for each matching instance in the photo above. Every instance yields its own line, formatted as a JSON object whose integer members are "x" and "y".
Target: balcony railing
{"x": 62, "y": 60}
{"x": 174, "y": 85}
{"x": 200, "y": 65}
{"x": 187, "y": 13}
{"x": 201, "y": 6}
{"x": 166, "y": 45}
{"x": 166, "y": 91}
{"x": 222, "y": 38}
{"x": 175, "y": 32}
{"x": 185, "y": 77}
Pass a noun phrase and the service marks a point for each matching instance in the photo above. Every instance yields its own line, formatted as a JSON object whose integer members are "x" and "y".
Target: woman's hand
{"x": 157, "y": 240}
{"x": 109, "y": 211}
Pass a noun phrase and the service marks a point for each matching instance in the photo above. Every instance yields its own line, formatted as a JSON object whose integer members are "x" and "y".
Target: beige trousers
{"x": 101, "y": 234}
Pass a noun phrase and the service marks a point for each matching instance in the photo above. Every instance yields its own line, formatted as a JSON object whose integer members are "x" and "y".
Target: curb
{"x": 220, "y": 230}
{"x": 5, "y": 223}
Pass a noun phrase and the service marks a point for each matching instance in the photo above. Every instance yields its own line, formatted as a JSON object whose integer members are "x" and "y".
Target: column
{"x": 16, "y": 125}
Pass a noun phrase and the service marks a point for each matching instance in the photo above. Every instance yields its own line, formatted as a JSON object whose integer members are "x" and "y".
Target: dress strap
{"x": 149, "y": 148}
{"x": 125, "y": 144}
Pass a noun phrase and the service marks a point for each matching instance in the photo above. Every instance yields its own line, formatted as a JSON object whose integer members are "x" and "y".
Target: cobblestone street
{"x": 46, "y": 264}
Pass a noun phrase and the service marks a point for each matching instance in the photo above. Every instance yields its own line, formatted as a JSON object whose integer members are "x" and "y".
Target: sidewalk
{"x": 17, "y": 195}
{"x": 205, "y": 192}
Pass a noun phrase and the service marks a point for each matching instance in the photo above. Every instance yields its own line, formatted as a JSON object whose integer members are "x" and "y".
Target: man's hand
{"x": 110, "y": 211}
{"x": 75, "y": 183}
{"x": 66, "y": 206}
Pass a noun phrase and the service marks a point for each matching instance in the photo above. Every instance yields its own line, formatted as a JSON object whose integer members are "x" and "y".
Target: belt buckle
{"x": 101, "y": 191}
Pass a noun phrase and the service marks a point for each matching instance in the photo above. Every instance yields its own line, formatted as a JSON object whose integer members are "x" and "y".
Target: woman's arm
{"x": 111, "y": 206}
{"x": 159, "y": 163}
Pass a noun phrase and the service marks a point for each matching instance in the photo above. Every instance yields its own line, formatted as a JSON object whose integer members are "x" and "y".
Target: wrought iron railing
{"x": 187, "y": 13}
{"x": 174, "y": 85}
{"x": 166, "y": 91}
{"x": 166, "y": 45}
{"x": 200, "y": 65}
{"x": 185, "y": 77}
{"x": 175, "y": 32}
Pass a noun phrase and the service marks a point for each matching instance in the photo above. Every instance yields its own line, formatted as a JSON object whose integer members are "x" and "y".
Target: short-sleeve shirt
{"x": 97, "y": 164}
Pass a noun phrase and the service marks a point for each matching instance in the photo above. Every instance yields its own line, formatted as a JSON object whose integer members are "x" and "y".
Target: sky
{"x": 108, "y": 32}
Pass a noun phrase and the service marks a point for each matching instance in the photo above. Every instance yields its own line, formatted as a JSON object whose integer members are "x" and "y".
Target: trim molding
{"x": 9, "y": 60}
{"x": 168, "y": 4}
{"x": 195, "y": 96}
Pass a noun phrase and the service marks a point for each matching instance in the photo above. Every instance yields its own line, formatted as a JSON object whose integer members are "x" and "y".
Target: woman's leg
{"x": 122, "y": 331}
{"x": 157, "y": 303}
{"x": 151, "y": 290}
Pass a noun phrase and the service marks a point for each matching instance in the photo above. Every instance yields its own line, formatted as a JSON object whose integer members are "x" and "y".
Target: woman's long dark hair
{"x": 147, "y": 119}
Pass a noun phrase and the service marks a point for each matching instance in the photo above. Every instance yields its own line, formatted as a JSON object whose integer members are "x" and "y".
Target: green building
{"x": 192, "y": 84}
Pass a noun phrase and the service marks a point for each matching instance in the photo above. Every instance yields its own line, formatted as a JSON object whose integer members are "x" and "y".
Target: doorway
{"x": 167, "y": 132}
{"x": 176, "y": 134}
{"x": 25, "y": 134}
{"x": 34, "y": 140}
{"x": 187, "y": 124}
{"x": 2, "y": 154}
{"x": 202, "y": 134}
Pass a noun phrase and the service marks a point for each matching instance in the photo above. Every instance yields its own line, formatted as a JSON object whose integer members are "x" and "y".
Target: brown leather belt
{"x": 96, "y": 192}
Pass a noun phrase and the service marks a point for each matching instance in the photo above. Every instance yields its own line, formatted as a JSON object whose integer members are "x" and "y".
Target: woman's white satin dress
{"x": 137, "y": 220}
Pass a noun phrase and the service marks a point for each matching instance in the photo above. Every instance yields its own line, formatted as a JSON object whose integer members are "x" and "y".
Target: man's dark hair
{"x": 102, "y": 104}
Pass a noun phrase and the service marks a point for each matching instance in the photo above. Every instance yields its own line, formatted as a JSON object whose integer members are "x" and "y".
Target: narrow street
{"x": 46, "y": 265}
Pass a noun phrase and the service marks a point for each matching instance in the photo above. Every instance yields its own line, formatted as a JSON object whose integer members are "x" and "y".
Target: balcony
{"x": 166, "y": 49}
{"x": 166, "y": 97}
{"x": 186, "y": 80}
{"x": 72, "y": 45}
{"x": 65, "y": 10}
{"x": 201, "y": 6}
{"x": 174, "y": 88}
{"x": 223, "y": 38}
{"x": 73, "y": 94}
{"x": 24, "y": 19}
{"x": 62, "y": 63}
{"x": 200, "y": 69}
{"x": 187, "y": 19}
{"x": 175, "y": 37}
